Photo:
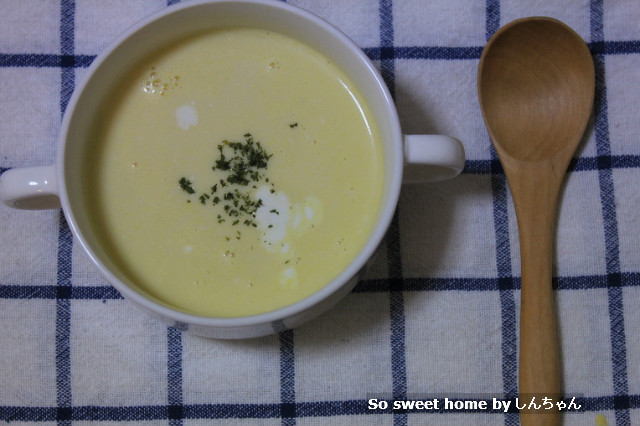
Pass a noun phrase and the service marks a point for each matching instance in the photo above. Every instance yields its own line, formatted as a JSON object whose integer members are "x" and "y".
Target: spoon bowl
{"x": 536, "y": 81}
{"x": 536, "y": 84}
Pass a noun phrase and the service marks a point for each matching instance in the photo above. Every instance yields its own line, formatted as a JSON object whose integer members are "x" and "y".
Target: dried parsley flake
{"x": 242, "y": 165}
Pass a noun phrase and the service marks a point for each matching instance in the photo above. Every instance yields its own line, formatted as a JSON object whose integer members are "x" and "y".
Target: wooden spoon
{"x": 536, "y": 84}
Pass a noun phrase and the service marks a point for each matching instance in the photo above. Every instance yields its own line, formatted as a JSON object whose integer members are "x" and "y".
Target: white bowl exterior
{"x": 182, "y": 20}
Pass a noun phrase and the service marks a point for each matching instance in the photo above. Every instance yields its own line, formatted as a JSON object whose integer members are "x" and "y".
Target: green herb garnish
{"x": 245, "y": 162}
{"x": 242, "y": 164}
{"x": 186, "y": 185}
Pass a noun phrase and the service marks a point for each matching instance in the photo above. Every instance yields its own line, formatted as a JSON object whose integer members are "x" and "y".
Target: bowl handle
{"x": 30, "y": 188}
{"x": 432, "y": 158}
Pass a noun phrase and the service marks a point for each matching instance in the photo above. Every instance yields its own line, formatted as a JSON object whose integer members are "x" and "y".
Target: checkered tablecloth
{"x": 437, "y": 315}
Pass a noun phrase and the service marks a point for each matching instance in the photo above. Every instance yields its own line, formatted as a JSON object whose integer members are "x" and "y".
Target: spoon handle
{"x": 535, "y": 196}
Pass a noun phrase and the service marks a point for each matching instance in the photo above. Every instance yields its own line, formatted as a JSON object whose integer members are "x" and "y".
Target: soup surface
{"x": 234, "y": 173}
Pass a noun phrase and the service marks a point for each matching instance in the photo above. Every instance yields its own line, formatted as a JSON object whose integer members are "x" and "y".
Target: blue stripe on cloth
{"x": 254, "y": 411}
{"x": 596, "y": 8}
{"x": 67, "y": 35}
{"x": 22, "y": 60}
{"x": 385, "y": 53}
{"x": 397, "y": 319}
{"x": 288, "y": 411}
{"x": 37, "y": 60}
{"x": 422, "y": 52}
{"x": 506, "y": 281}
{"x": 474, "y": 52}
{"x": 582, "y": 282}
{"x": 8, "y": 291}
{"x": 65, "y": 241}
{"x": 607, "y": 201}
{"x": 63, "y": 324}
{"x": 582, "y": 164}
{"x": 602, "y": 162}
{"x": 506, "y": 286}
{"x": 175, "y": 409}
{"x": 618, "y": 47}
{"x": 396, "y": 296}
{"x": 492, "y": 18}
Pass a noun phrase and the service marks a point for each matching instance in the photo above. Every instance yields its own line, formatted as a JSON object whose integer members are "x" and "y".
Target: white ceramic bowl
{"x": 61, "y": 184}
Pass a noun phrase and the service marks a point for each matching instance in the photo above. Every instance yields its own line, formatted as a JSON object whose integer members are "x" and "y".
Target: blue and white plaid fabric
{"x": 436, "y": 316}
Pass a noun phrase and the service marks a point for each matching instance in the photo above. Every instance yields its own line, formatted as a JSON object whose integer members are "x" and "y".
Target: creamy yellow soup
{"x": 234, "y": 173}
